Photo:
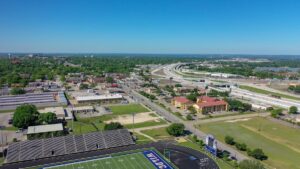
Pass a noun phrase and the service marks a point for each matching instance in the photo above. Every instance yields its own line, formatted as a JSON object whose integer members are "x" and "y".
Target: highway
{"x": 266, "y": 100}
{"x": 174, "y": 119}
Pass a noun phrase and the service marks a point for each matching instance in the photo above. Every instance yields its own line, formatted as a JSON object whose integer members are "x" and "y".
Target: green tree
{"x": 47, "y": 118}
{"x": 17, "y": 91}
{"x": 83, "y": 86}
{"x": 229, "y": 140}
{"x": 258, "y": 154}
{"x": 276, "y": 112}
{"x": 25, "y": 115}
{"x": 189, "y": 117}
{"x": 241, "y": 146}
{"x": 178, "y": 85}
{"x": 109, "y": 80}
{"x": 251, "y": 164}
{"x": 293, "y": 110}
{"x": 113, "y": 126}
{"x": 176, "y": 129}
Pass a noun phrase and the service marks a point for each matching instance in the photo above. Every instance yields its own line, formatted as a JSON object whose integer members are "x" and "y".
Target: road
{"x": 265, "y": 100}
{"x": 174, "y": 119}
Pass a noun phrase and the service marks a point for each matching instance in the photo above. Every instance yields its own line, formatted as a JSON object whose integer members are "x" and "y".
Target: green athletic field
{"x": 122, "y": 161}
{"x": 280, "y": 143}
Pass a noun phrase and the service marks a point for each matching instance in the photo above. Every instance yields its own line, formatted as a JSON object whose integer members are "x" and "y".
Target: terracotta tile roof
{"x": 182, "y": 99}
{"x": 206, "y": 101}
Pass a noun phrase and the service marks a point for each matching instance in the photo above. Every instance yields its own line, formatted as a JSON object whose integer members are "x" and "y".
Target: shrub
{"x": 229, "y": 140}
{"x": 251, "y": 164}
{"x": 176, "y": 129}
{"x": 258, "y": 154}
{"x": 242, "y": 146}
{"x": 189, "y": 117}
{"x": 113, "y": 126}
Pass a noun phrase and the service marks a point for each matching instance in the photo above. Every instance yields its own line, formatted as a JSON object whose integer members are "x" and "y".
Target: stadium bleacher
{"x": 43, "y": 148}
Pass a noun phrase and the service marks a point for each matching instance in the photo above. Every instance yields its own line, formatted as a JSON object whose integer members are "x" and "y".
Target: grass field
{"x": 261, "y": 91}
{"x": 280, "y": 143}
{"x": 92, "y": 124}
{"x": 128, "y": 109}
{"x": 122, "y": 161}
{"x": 158, "y": 133}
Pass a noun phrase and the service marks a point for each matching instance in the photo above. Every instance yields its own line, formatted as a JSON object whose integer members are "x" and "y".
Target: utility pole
{"x": 133, "y": 114}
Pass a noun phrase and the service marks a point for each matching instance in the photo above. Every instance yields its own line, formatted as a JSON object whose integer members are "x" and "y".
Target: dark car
{"x": 10, "y": 121}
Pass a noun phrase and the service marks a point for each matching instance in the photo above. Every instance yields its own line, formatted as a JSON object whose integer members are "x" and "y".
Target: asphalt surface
{"x": 174, "y": 119}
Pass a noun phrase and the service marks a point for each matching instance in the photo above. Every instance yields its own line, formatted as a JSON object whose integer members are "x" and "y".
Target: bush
{"x": 276, "y": 112}
{"x": 293, "y": 110}
{"x": 229, "y": 140}
{"x": 17, "y": 91}
{"x": 257, "y": 154}
{"x": 242, "y": 146}
{"x": 251, "y": 164}
{"x": 113, "y": 126}
{"x": 189, "y": 117}
{"x": 176, "y": 129}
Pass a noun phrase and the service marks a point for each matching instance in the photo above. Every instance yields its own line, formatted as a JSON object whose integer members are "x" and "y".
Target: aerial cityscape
{"x": 149, "y": 84}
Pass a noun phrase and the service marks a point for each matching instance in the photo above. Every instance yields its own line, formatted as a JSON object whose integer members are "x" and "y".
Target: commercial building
{"x": 181, "y": 102}
{"x": 100, "y": 99}
{"x": 46, "y": 99}
{"x": 207, "y": 104}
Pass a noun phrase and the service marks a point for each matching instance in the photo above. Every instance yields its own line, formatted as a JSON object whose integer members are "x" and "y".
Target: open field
{"x": 261, "y": 91}
{"x": 131, "y": 160}
{"x": 158, "y": 133}
{"x": 128, "y": 109}
{"x": 280, "y": 143}
{"x": 121, "y": 113}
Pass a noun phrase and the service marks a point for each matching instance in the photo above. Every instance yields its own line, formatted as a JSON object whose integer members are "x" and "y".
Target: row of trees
{"x": 255, "y": 153}
{"x": 149, "y": 96}
{"x": 236, "y": 105}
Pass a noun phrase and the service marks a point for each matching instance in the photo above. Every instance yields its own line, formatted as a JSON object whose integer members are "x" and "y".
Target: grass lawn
{"x": 261, "y": 91}
{"x": 280, "y": 143}
{"x": 146, "y": 124}
{"x": 159, "y": 133}
{"x": 222, "y": 164}
{"x": 142, "y": 139}
{"x": 11, "y": 128}
{"x": 1, "y": 160}
{"x": 128, "y": 109}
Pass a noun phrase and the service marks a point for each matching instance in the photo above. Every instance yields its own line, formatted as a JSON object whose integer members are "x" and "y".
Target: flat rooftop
{"x": 100, "y": 97}
{"x": 45, "y": 128}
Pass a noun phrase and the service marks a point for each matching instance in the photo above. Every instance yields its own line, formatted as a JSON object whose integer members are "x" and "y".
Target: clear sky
{"x": 151, "y": 26}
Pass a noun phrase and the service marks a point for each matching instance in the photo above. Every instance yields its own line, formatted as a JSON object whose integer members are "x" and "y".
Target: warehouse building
{"x": 100, "y": 99}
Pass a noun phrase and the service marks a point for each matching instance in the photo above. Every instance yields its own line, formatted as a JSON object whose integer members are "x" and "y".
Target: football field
{"x": 148, "y": 159}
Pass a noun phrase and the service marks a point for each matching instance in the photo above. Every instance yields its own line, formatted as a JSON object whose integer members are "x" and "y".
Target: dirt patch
{"x": 237, "y": 120}
{"x": 138, "y": 118}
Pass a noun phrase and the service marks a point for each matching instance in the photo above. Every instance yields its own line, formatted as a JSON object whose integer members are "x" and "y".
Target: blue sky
{"x": 151, "y": 26}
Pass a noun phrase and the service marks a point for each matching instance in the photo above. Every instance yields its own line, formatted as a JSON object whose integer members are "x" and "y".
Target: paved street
{"x": 188, "y": 125}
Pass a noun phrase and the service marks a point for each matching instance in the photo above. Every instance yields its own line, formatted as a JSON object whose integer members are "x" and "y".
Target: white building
{"x": 101, "y": 99}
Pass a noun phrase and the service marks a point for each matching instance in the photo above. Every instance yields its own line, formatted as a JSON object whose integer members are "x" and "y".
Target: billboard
{"x": 211, "y": 144}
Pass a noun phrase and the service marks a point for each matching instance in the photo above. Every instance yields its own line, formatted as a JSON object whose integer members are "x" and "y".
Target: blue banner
{"x": 156, "y": 160}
